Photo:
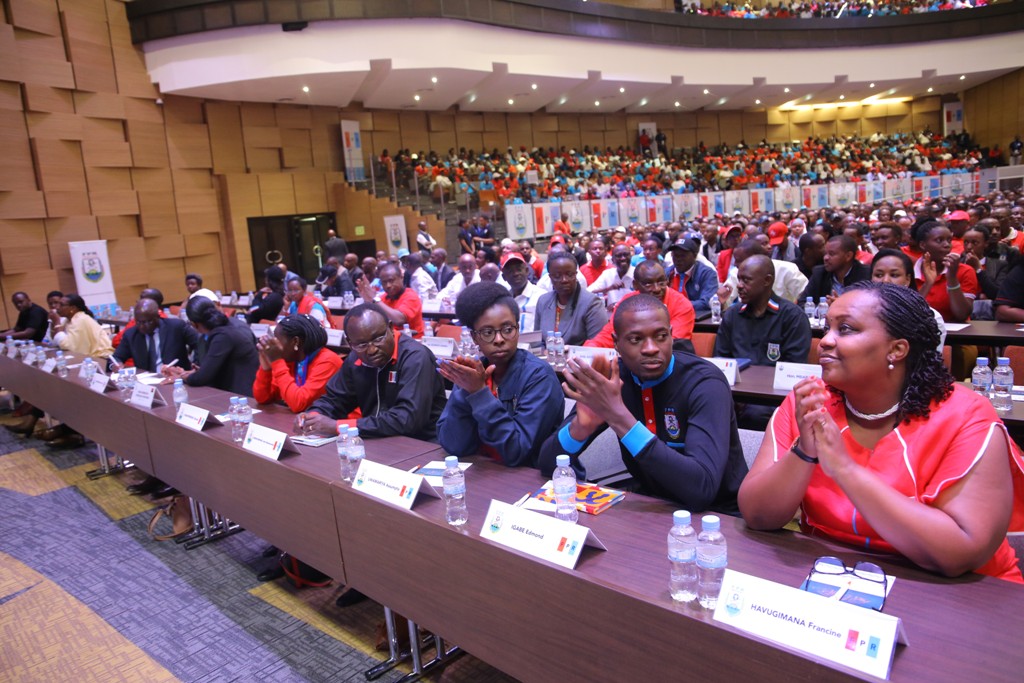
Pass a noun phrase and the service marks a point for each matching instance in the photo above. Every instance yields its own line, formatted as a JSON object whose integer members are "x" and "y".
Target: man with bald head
{"x": 490, "y": 272}
{"x": 155, "y": 341}
{"x": 467, "y": 274}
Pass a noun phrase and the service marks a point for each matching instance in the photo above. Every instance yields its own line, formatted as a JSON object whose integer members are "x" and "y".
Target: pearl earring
{"x": 891, "y": 366}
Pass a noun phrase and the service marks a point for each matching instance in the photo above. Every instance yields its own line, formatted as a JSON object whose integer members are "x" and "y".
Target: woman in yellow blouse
{"x": 81, "y": 333}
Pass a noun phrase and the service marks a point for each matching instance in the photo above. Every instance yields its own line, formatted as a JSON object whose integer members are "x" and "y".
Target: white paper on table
{"x": 956, "y": 327}
{"x": 149, "y": 378}
{"x": 224, "y": 418}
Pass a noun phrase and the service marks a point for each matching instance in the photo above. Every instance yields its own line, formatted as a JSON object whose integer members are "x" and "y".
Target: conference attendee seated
{"x": 149, "y": 293}
{"x": 516, "y": 274}
{"x": 1009, "y": 304}
{"x": 300, "y": 302}
{"x": 649, "y": 278}
{"x": 691, "y": 278}
{"x": 763, "y": 328}
{"x": 334, "y": 282}
{"x": 886, "y": 451}
{"x": 598, "y": 252}
{"x": 230, "y": 360}
{"x": 32, "y": 320}
{"x": 569, "y": 308}
{"x": 949, "y": 286}
{"x": 616, "y": 282}
{"x": 467, "y": 274}
{"x": 155, "y": 341}
{"x": 896, "y": 268}
{"x": 392, "y": 379}
{"x": 270, "y": 299}
{"x": 295, "y": 366}
{"x": 418, "y": 278}
{"x": 399, "y": 303}
{"x": 194, "y": 285}
{"x": 672, "y": 413}
{"x": 505, "y": 404}
{"x": 839, "y": 270}
{"x": 790, "y": 283}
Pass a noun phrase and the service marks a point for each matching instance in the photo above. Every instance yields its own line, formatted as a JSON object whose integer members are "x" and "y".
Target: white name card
{"x": 49, "y": 365}
{"x": 191, "y": 416}
{"x": 389, "y": 484}
{"x": 432, "y": 306}
{"x": 729, "y": 368}
{"x": 334, "y": 302}
{"x": 12, "y": 352}
{"x": 259, "y": 329}
{"x": 537, "y": 535}
{"x": 443, "y": 347}
{"x": 29, "y": 359}
{"x": 225, "y": 300}
{"x": 267, "y": 442}
{"x": 244, "y": 300}
{"x": 335, "y": 337}
{"x": 587, "y": 354}
{"x": 82, "y": 367}
{"x": 845, "y": 634}
{"x": 99, "y": 382}
{"x": 788, "y": 375}
{"x": 145, "y": 395}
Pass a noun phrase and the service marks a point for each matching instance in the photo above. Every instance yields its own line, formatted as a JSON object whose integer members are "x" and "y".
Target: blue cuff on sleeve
{"x": 636, "y": 439}
{"x": 571, "y": 445}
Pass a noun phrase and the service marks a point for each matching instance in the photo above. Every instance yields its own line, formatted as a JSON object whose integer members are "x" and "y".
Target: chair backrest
{"x": 450, "y": 331}
{"x": 947, "y": 357}
{"x": 1016, "y": 356}
{"x": 704, "y": 344}
{"x": 812, "y": 357}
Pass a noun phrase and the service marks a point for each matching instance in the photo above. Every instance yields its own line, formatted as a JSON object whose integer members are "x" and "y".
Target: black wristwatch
{"x": 799, "y": 452}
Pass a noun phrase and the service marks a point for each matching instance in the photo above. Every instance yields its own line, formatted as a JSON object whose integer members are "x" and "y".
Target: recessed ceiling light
{"x": 963, "y": 77}
{"x": 416, "y": 97}
{"x": 785, "y": 90}
{"x": 597, "y": 103}
{"x": 643, "y": 102}
{"x": 433, "y": 79}
{"x": 622, "y": 89}
{"x": 931, "y": 89}
{"x": 757, "y": 101}
{"x": 677, "y": 103}
{"x": 305, "y": 88}
{"x": 511, "y": 101}
{"x": 842, "y": 97}
{"x": 706, "y": 91}
{"x": 563, "y": 100}
{"x": 533, "y": 86}
{"x": 871, "y": 85}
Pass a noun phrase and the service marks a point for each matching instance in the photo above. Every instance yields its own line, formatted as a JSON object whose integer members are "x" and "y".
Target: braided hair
{"x": 906, "y": 315}
{"x": 307, "y": 329}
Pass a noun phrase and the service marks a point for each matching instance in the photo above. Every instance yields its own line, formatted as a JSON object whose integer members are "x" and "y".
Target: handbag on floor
{"x": 301, "y": 574}
{"x": 180, "y": 514}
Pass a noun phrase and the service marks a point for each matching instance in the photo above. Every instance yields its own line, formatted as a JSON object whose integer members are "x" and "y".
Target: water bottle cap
{"x": 982, "y": 360}
{"x": 810, "y": 299}
{"x": 562, "y": 461}
{"x": 353, "y": 431}
{"x": 234, "y": 400}
{"x": 342, "y": 430}
{"x": 243, "y": 401}
{"x": 178, "y": 382}
{"x": 710, "y": 523}
{"x": 1002, "y": 360}
{"x": 451, "y": 461}
{"x": 681, "y": 517}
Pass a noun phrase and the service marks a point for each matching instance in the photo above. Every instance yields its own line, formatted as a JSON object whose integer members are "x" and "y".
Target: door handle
{"x": 275, "y": 259}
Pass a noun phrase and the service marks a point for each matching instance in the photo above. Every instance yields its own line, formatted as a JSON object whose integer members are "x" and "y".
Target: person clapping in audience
{"x": 506, "y": 404}
{"x": 867, "y": 453}
{"x": 295, "y": 364}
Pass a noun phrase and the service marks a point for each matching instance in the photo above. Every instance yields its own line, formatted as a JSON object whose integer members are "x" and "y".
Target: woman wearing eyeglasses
{"x": 507, "y": 403}
{"x": 886, "y": 451}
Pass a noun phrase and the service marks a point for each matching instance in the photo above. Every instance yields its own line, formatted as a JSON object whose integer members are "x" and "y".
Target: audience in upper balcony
{"x": 824, "y": 10}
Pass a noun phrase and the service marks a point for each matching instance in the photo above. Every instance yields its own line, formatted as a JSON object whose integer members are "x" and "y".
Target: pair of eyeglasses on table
{"x": 865, "y": 584}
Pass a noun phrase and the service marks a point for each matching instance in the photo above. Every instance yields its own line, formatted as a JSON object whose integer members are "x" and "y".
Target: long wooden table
{"x": 978, "y": 333}
{"x": 610, "y": 618}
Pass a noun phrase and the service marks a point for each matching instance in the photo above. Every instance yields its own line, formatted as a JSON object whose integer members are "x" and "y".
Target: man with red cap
{"x": 731, "y": 235}
{"x": 782, "y": 247}
{"x": 958, "y": 222}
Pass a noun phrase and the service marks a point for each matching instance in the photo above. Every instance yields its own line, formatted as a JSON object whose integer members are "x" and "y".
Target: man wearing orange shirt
{"x": 400, "y": 303}
{"x": 562, "y": 225}
{"x": 598, "y": 260}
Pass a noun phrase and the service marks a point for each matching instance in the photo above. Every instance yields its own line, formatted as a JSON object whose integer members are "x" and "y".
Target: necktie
{"x": 154, "y": 353}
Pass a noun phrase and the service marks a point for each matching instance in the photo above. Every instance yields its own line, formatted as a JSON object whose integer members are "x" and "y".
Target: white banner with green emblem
{"x": 394, "y": 227}
{"x": 93, "y": 278}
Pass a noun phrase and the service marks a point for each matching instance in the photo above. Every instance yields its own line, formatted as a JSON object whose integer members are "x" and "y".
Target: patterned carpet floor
{"x": 86, "y": 594}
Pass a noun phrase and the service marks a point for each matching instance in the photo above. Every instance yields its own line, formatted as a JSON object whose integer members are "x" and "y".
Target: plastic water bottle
{"x": 407, "y": 331}
{"x": 682, "y": 553}
{"x": 981, "y": 377}
{"x": 8, "y": 345}
{"x": 822, "y": 312}
{"x": 428, "y": 331}
{"x": 564, "y": 485}
{"x": 712, "y": 558}
{"x": 180, "y": 393}
{"x": 356, "y": 451}
{"x": 454, "y": 480}
{"x": 342, "y": 444}
{"x": 716, "y": 309}
{"x": 466, "y": 343}
{"x": 62, "y": 364}
{"x": 549, "y": 346}
{"x": 244, "y": 416}
{"x": 811, "y": 311}
{"x": 237, "y": 433}
{"x": 559, "y": 351}
{"x": 90, "y": 369}
{"x": 1002, "y": 385}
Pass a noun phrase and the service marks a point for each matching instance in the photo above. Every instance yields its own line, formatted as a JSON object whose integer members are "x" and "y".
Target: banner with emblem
{"x": 712, "y": 203}
{"x": 737, "y": 200}
{"x": 685, "y": 206}
{"x": 957, "y": 183}
{"x": 93, "y": 279}
{"x": 579, "y": 215}
{"x": 519, "y": 219}
{"x": 871, "y": 192}
{"x": 604, "y": 213}
{"x": 842, "y": 195}
{"x": 631, "y": 210}
{"x": 659, "y": 209}
{"x": 787, "y": 198}
{"x": 394, "y": 228}
{"x": 762, "y": 200}
{"x": 898, "y": 189}
{"x": 544, "y": 217}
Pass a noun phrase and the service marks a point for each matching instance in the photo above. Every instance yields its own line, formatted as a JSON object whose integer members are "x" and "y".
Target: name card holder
{"x": 443, "y": 347}
{"x": 845, "y": 634}
{"x": 537, "y": 535}
{"x": 12, "y": 352}
{"x": 729, "y": 368}
{"x": 146, "y": 396}
{"x": 49, "y": 365}
{"x": 432, "y": 306}
{"x": 335, "y": 338}
{"x": 267, "y": 442}
{"x": 587, "y": 354}
{"x": 788, "y": 375}
{"x": 259, "y": 329}
{"x": 334, "y": 302}
{"x": 389, "y": 484}
{"x": 191, "y": 416}
{"x": 100, "y": 383}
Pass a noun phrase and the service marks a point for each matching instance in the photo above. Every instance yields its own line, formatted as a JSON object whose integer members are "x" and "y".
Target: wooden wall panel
{"x": 36, "y": 15}
{"x": 23, "y": 233}
{"x": 197, "y": 209}
{"x": 116, "y": 227}
{"x": 59, "y": 165}
{"x": 99, "y": 178}
{"x": 71, "y": 229}
{"x": 116, "y": 154}
{"x": 151, "y": 179}
{"x": 46, "y": 99}
{"x": 60, "y": 204}
{"x": 202, "y": 244}
{"x": 24, "y": 259}
{"x": 227, "y": 147}
{"x": 43, "y": 60}
{"x": 188, "y": 146}
{"x": 114, "y": 202}
{"x": 165, "y": 247}
{"x": 310, "y": 192}
{"x": 157, "y": 213}
{"x": 149, "y": 144}
{"x": 296, "y": 148}
{"x": 22, "y": 204}
{"x": 278, "y": 194}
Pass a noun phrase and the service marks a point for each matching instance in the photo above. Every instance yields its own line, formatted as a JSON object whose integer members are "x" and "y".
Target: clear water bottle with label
{"x": 716, "y": 309}
{"x": 407, "y": 331}
{"x": 712, "y": 558}
{"x": 342, "y": 444}
{"x": 682, "y": 553}
{"x": 356, "y": 451}
{"x": 811, "y": 311}
{"x": 454, "y": 480}
{"x": 90, "y": 369}
{"x": 549, "y": 346}
{"x": 822, "y": 311}
{"x": 428, "y": 331}
{"x": 8, "y": 345}
{"x": 563, "y": 482}
{"x": 180, "y": 393}
{"x": 1002, "y": 386}
{"x": 244, "y": 416}
{"x": 559, "y": 351}
{"x": 62, "y": 364}
{"x": 981, "y": 376}
{"x": 236, "y": 432}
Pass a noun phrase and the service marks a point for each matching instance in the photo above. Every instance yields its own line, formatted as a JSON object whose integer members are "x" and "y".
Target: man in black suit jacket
{"x": 173, "y": 339}
{"x": 443, "y": 273}
{"x": 840, "y": 270}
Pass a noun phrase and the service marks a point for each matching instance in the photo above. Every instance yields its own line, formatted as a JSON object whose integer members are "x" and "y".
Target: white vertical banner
{"x": 352, "y": 146}
{"x": 604, "y": 213}
{"x": 93, "y": 278}
{"x": 842, "y": 195}
{"x": 952, "y": 117}
{"x": 787, "y": 198}
{"x": 519, "y": 220}
{"x": 898, "y": 189}
{"x": 631, "y": 210}
{"x": 544, "y": 217}
{"x": 685, "y": 206}
{"x": 394, "y": 227}
{"x": 737, "y": 200}
{"x": 659, "y": 209}
{"x": 578, "y": 212}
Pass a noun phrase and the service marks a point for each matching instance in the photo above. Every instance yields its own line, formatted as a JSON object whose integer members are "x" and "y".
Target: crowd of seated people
{"x": 650, "y": 169}
{"x": 819, "y": 10}
{"x": 892, "y": 273}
